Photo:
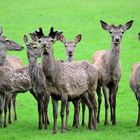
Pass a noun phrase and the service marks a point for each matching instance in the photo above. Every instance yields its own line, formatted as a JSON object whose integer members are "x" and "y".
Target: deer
{"x": 10, "y": 61}
{"x": 108, "y": 62}
{"x": 68, "y": 81}
{"x": 13, "y": 64}
{"x": 70, "y": 53}
{"x": 70, "y": 46}
{"x": 134, "y": 84}
{"x": 14, "y": 78}
{"x": 37, "y": 79}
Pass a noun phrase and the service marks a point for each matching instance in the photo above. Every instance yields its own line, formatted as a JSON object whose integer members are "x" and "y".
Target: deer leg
{"x": 40, "y": 110}
{"x": 76, "y": 113}
{"x": 14, "y": 107}
{"x": 48, "y": 99}
{"x": 63, "y": 106}
{"x": 94, "y": 105}
{"x": 74, "y": 116}
{"x": 34, "y": 94}
{"x": 111, "y": 107}
{"x": 106, "y": 104}
{"x": 86, "y": 100}
{"x": 9, "y": 115}
{"x": 67, "y": 115}
{"x": 114, "y": 93}
{"x": 114, "y": 110}
{"x": 138, "y": 121}
{"x": 46, "y": 102}
{"x": 43, "y": 113}
{"x": 138, "y": 99}
{"x": 55, "y": 110}
{"x": 83, "y": 113}
{"x": 99, "y": 102}
{"x": 76, "y": 106}
{"x": 7, "y": 100}
{"x": 0, "y": 117}
{"x": 1, "y": 108}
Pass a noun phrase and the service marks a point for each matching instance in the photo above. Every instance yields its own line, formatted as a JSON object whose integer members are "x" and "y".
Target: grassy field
{"x": 72, "y": 17}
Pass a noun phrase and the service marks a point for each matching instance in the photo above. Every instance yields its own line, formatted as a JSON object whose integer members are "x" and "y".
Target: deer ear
{"x": 62, "y": 38}
{"x": 78, "y": 38}
{"x": 1, "y": 31}
{"x": 57, "y": 36}
{"x": 33, "y": 36}
{"x": 104, "y": 25}
{"x": 25, "y": 38}
{"x": 128, "y": 25}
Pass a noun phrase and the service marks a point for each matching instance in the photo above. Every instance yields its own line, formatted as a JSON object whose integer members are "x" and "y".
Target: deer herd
{"x": 67, "y": 81}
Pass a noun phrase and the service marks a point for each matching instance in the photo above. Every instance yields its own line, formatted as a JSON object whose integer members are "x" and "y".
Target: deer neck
{"x": 114, "y": 56}
{"x": 2, "y": 58}
{"x": 70, "y": 58}
{"x": 49, "y": 64}
{"x": 32, "y": 65}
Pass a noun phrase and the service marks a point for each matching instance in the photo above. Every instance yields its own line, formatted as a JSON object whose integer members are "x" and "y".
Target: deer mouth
{"x": 70, "y": 55}
{"x": 117, "y": 42}
{"x": 45, "y": 52}
{"x": 20, "y": 48}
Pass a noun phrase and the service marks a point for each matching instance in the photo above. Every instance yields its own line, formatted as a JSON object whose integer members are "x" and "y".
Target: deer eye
{"x": 8, "y": 41}
{"x": 52, "y": 41}
{"x": 35, "y": 47}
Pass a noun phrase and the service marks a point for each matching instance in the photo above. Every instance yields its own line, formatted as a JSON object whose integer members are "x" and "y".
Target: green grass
{"x": 72, "y": 17}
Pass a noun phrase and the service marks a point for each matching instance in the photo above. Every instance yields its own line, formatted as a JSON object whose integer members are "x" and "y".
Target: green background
{"x": 19, "y": 17}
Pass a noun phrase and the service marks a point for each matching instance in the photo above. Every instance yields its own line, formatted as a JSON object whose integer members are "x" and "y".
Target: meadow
{"x": 18, "y": 17}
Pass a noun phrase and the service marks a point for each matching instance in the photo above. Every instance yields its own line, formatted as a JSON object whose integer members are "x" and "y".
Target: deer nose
{"x": 70, "y": 52}
{"x": 117, "y": 38}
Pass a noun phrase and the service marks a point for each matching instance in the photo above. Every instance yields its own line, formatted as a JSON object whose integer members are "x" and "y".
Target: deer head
{"x": 33, "y": 48}
{"x": 46, "y": 42}
{"x": 8, "y": 45}
{"x": 116, "y": 32}
{"x": 70, "y": 45}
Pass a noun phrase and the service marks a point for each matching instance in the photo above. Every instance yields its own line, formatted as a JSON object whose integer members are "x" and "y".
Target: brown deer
{"x": 11, "y": 61}
{"x": 135, "y": 86}
{"x": 135, "y": 83}
{"x": 110, "y": 69}
{"x": 68, "y": 81}
{"x": 70, "y": 53}
{"x": 37, "y": 79}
